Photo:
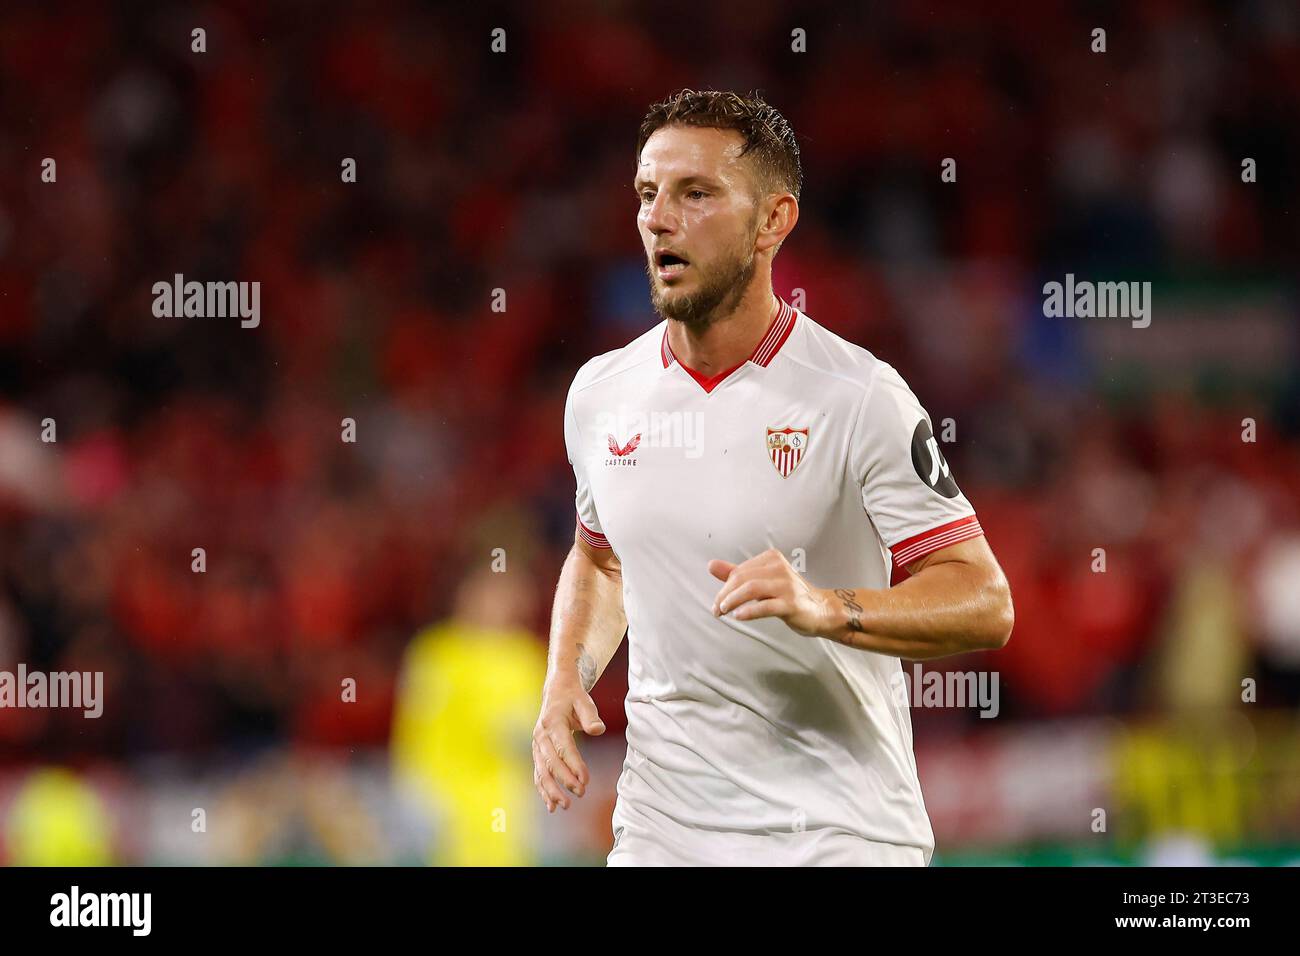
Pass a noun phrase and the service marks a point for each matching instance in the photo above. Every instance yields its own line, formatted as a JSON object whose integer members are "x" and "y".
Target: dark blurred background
{"x": 372, "y": 561}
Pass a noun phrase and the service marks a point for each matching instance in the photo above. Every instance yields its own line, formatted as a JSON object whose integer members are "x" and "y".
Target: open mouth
{"x": 669, "y": 264}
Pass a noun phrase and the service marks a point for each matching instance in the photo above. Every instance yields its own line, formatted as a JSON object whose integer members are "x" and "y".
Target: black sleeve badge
{"x": 929, "y": 462}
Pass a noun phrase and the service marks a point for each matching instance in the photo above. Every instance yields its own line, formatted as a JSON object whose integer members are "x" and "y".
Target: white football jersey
{"x": 747, "y": 742}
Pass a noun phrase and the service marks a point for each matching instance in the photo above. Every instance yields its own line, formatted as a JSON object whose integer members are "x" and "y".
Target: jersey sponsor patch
{"x": 622, "y": 450}
{"x": 622, "y": 453}
{"x": 786, "y": 447}
{"x": 930, "y": 465}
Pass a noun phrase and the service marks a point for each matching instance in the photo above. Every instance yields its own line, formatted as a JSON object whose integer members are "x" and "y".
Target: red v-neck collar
{"x": 763, "y": 354}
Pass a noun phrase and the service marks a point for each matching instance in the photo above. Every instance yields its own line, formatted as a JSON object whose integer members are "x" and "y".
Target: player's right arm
{"x": 587, "y": 625}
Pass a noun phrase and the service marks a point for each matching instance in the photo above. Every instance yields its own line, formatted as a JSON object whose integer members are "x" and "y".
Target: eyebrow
{"x": 694, "y": 180}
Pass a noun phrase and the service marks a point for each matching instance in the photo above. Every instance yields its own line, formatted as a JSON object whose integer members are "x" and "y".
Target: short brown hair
{"x": 767, "y": 134}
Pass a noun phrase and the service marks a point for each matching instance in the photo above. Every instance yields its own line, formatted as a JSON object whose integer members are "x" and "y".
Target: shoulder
{"x": 821, "y": 353}
{"x": 605, "y": 369}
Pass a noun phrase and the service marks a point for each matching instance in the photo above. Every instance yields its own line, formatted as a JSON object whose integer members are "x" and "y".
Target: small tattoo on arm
{"x": 852, "y": 608}
{"x": 586, "y": 668}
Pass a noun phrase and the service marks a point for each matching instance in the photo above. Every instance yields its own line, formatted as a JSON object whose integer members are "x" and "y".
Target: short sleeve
{"x": 907, "y": 488}
{"x": 588, "y": 520}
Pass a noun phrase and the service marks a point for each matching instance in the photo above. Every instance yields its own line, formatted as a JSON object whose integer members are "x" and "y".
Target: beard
{"x": 720, "y": 290}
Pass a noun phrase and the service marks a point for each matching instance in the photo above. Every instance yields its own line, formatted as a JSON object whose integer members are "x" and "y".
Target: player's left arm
{"x": 956, "y": 600}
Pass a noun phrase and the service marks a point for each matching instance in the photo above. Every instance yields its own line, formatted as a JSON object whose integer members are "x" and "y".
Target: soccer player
{"x": 740, "y": 528}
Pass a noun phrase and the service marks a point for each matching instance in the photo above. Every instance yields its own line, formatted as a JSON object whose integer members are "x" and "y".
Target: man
{"x": 763, "y": 727}
{"x": 460, "y": 726}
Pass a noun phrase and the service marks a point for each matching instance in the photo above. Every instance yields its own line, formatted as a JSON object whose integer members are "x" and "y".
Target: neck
{"x": 727, "y": 342}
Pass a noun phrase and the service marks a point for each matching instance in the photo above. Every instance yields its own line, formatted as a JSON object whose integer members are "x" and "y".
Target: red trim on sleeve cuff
{"x": 918, "y": 546}
{"x": 593, "y": 538}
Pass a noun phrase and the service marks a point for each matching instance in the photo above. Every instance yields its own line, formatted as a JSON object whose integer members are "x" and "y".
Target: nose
{"x": 659, "y": 216}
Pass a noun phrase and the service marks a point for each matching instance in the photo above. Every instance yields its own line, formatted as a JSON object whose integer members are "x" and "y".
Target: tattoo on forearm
{"x": 586, "y": 668}
{"x": 852, "y": 608}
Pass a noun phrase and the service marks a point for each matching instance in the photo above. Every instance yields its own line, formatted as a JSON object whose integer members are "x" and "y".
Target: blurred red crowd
{"x": 479, "y": 172}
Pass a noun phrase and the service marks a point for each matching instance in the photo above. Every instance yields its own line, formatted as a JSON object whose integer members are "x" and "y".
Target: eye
{"x": 647, "y": 195}
{"x": 696, "y": 194}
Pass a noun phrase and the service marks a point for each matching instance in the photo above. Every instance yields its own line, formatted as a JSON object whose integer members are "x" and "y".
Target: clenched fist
{"x": 767, "y": 586}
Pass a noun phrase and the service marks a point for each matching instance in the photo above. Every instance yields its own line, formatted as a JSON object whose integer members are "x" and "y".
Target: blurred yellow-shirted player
{"x": 57, "y": 819}
{"x": 463, "y": 724}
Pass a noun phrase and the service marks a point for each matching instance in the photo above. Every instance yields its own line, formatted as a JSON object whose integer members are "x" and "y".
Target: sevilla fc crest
{"x": 786, "y": 447}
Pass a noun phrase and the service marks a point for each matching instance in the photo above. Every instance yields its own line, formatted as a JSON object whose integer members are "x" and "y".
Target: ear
{"x": 780, "y": 212}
